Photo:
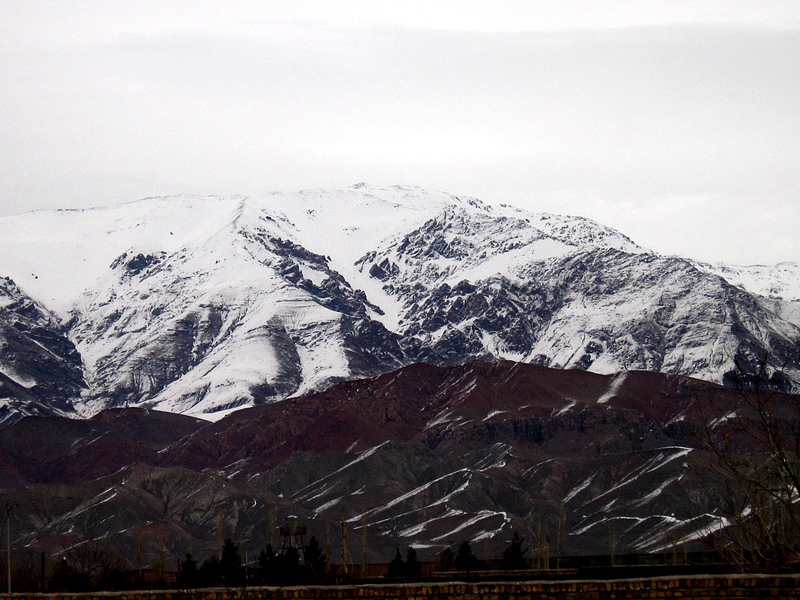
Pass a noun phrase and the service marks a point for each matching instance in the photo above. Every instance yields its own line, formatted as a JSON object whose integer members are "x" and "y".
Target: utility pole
{"x": 364, "y": 545}
{"x": 8, "y": 545}
{"x": 328, "y": 542}
{"x": 271, "y": 524}
{"x": 612, "y": 539}
{"x": 344, "y": 545}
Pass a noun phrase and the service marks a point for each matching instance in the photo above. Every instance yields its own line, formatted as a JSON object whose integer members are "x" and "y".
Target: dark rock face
{"x": 334, "y": 292}
{"x": 40, "y": 369}
{"x": 425, "y": 455}
{"x": 165, "y": 359}
{"x": 132, "y": 265}
{"x": 371, "y": 348}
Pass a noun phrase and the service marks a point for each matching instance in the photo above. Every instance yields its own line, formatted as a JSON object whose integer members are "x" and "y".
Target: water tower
{"x": 292, "y": 534}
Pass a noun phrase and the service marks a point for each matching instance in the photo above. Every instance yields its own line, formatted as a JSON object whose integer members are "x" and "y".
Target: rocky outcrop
{"x": 40, "y": 368}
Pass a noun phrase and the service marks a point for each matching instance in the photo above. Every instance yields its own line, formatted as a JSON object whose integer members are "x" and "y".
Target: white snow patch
{"x": 578, "y": 488}
{"x": 410, "y": 494}
{"x": 480, "y": 516}
{"x": 443, "y": 417}
{"x": 657, "y": 491}
{"x": 569, "y": 406}
{"x": 657, "y": 462}
{"x": 420, "y": 527}
{"x": 494, "y": 413}
{"x": 614, "y": 388}
{"x": 363, "y": 456}
{"x": 16, "y": 378}
{"x": 732, "y": 414}
{"x": 328, "y": 505}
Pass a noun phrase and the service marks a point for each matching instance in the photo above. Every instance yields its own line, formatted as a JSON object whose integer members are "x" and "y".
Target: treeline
{"x": 273, "y": 567}
{"x": 514, "y": 558}
{"x": 289, "y": 567}
{"x": 93, "y": 569}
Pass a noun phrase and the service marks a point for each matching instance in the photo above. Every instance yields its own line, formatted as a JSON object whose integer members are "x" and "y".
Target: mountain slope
{"x": 55, "y": 449}
{"x": 779, "y": 283}
{"x": 40, "y": 369}
{"x": 205, "y": 305}
{"x": 602, "y": 310}
{"x": 248, "y": 316}
{"x": 424, "y": 455}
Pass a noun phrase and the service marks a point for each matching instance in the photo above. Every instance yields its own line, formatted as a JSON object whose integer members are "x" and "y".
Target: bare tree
{"x": 86, "y": 566}
{"x": 752, "y": 471}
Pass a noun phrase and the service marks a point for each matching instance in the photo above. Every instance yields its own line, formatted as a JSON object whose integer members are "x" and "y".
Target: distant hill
{"x": 425, "y": 456}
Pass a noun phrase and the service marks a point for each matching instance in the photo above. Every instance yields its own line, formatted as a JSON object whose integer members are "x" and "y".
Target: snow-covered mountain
{"x": 204, "y": 305}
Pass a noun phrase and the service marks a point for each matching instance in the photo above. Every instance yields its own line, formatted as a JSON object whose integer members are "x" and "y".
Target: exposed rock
{"x": 40, "y": 369}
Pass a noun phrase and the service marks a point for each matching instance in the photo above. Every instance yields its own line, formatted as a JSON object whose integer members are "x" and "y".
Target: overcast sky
{"x": 676, "y": 122}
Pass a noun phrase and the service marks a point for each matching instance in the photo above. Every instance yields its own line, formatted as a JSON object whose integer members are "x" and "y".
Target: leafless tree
{"x": 752, "y": 470}
{"x": 86, "y": 566}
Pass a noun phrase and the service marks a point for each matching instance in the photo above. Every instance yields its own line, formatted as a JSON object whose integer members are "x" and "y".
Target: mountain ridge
{"x": 205, "y": 305}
